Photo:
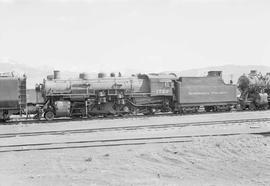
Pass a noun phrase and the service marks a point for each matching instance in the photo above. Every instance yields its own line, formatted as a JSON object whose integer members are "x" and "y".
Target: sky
{"x": 134, "y": 35}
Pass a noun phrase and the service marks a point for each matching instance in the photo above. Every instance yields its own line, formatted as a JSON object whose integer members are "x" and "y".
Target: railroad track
{"x": 113, "y": 142}
{"x": 58, "y": 120}
{"x": 133, "y": 127}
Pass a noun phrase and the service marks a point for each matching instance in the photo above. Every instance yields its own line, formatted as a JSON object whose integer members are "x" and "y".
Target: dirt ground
{"x": 217, "y": 160}
{"x": 231, "y": 160}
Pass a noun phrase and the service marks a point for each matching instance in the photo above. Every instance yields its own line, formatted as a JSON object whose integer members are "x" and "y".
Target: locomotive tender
{"x": 209, "y": 92}
{"x": 12, "y": 95}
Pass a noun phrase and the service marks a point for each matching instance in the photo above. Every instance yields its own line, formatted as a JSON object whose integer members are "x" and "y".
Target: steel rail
{"x": 114, "y": 142}
{"x": 58, "y": 120}
{"x": 131, "y": 127}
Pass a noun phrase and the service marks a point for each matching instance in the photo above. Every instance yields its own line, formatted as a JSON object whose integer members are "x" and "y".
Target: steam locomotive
{"x": 84, "y": 97}
{"x": 144, "y": 93}
{"x": 255, "y": 89}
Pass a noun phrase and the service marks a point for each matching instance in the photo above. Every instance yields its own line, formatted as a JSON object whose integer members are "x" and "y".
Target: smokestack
{"x": 56, "y": 74}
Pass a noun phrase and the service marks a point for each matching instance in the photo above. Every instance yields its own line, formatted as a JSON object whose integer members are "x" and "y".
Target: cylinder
{"x": 56, "y": 74}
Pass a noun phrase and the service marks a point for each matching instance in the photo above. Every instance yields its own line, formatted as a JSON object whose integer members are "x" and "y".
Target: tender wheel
{"x": 49, "y": 115}
{"x": 6, "y": 117}
{"x": 150, "y": 111}
{"x": 207, "y": 109}
{"x": 126, "y": 109}
{"x": 252, "y": 106}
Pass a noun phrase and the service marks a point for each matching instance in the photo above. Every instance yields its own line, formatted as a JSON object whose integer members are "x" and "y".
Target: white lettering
{"x": 198, "y": 93}
{"x": 207, "y": 93}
